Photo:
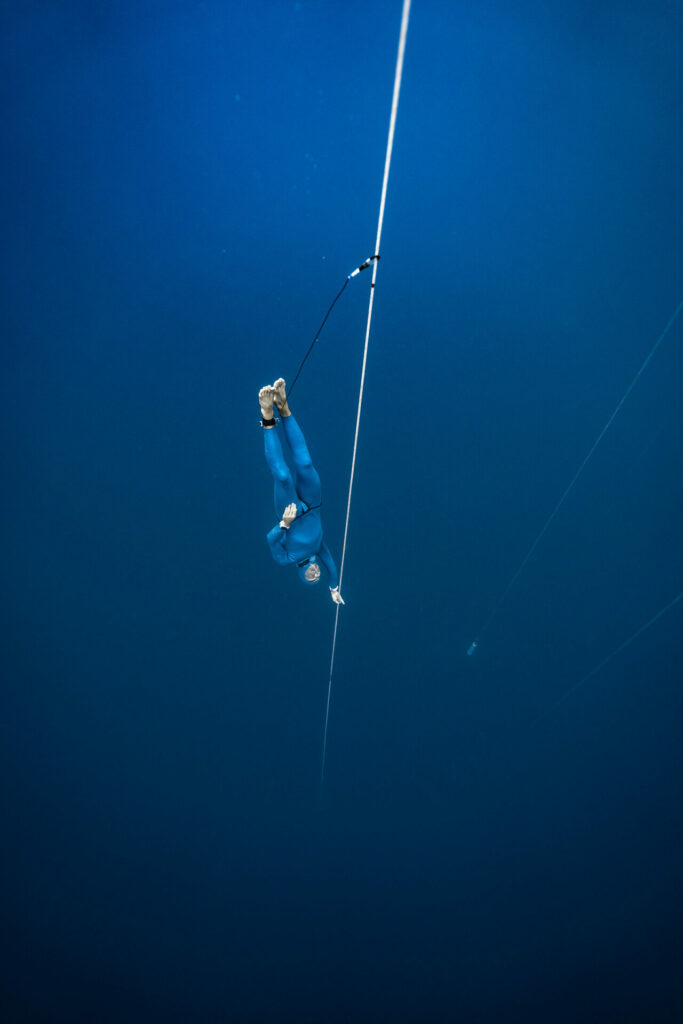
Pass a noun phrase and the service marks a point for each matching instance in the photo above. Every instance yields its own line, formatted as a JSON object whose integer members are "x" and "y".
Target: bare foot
{"x": 280, "y": 396}
{"x": 266, "y": 398}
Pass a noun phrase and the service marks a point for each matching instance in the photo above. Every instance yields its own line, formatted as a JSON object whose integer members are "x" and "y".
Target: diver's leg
{"x": 306, "y": 477}
{"x": 307, "y": 480}
{"x": 285, "y": 491}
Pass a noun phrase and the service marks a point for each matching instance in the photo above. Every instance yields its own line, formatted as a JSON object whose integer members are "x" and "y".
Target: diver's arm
{"x": 328, "y": 561}
{"x": 276, "y": 542}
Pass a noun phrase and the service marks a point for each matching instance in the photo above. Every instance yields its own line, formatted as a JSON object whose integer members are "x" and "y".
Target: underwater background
{"x": 186, "y": 186}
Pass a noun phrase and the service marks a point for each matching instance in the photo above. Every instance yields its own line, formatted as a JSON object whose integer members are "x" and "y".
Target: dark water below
{"x": 186, "y": 186}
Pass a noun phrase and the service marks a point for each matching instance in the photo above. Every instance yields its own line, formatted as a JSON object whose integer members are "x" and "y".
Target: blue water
{"x": 186, "y": 186}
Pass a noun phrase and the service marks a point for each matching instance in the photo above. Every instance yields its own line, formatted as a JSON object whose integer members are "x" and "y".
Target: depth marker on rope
{"x": 375, "y": 261}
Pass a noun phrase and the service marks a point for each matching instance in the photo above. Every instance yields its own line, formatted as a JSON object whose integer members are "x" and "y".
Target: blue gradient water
{"x": 186, "y": 186}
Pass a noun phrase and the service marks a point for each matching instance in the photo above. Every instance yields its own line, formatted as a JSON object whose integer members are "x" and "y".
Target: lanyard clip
{"x": 363, "y": 266}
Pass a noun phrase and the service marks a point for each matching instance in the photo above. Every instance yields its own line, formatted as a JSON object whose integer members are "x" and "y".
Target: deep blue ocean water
{"x": 186, "y": 185}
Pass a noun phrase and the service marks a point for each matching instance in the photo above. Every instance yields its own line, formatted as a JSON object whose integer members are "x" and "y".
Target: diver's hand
{"x": 288, "y": 516}
{"x": 336, "y": 596}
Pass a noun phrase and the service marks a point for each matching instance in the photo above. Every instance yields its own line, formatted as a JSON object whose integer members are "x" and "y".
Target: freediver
{"x": 298, "y": 539}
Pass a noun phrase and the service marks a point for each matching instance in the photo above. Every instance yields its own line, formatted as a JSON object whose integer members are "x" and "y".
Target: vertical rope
{"x": 380, "y": 222}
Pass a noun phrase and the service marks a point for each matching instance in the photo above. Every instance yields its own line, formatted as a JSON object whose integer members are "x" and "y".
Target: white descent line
{"x": 385, "y": 181}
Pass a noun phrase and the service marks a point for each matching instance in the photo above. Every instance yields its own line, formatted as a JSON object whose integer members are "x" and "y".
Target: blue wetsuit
{"x": 303, "y": 541}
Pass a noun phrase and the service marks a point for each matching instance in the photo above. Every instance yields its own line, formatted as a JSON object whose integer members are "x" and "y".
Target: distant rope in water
{"x": 610, "y": 657}
{"x": 494, "y": 610}
{"x": 385, "y": 181}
